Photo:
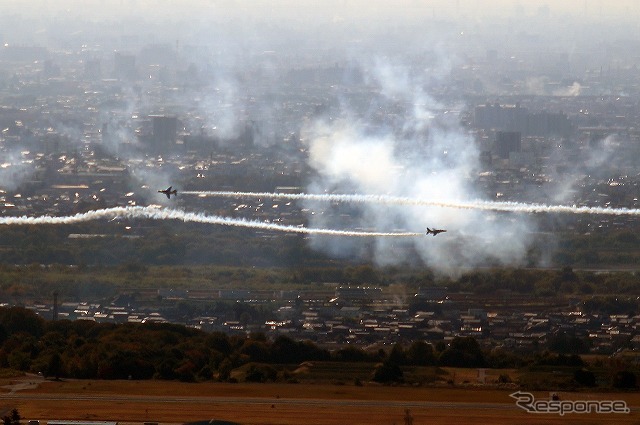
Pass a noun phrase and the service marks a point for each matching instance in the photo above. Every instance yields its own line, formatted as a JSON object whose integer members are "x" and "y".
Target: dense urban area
{"x": 490, "y": 131}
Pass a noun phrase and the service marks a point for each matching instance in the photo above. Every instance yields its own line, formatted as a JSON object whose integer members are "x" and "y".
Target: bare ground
{"x": 135, "y": 402}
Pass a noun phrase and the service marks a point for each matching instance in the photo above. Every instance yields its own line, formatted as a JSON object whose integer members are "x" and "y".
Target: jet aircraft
{"x": 434, "y": 231}
{"x": 169, "y": 192}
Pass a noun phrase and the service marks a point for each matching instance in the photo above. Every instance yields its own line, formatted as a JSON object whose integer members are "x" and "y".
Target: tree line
{"x": 89, "y": 350}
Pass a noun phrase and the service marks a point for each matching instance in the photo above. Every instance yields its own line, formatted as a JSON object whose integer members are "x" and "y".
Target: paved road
{"x": 257, "y": 401}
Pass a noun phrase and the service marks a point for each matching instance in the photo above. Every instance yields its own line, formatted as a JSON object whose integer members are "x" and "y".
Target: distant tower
{"x": 124, "y": 66}
{"x": 507, "y": 142}
{"x": 165, "y": 132}
{"x": 55, "y": 305}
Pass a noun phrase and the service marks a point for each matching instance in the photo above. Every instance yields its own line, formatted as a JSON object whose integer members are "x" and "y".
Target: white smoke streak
{"x": 155, "y": 213}
{"x": 516, "y": 207}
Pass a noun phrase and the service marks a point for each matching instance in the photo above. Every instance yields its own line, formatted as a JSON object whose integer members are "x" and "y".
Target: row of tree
{"x": 84, "y": 349}
{"x": 88, "y": 350}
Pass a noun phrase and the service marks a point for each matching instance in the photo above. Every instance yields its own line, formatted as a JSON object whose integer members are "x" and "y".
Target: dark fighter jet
{"x": 169, "y": 192}
{"x": 434, "y": 231}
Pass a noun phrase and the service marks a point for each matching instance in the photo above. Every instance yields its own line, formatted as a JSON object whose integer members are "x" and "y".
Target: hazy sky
{"x": 271, "y": 24}
{"x": 345, "y": 9}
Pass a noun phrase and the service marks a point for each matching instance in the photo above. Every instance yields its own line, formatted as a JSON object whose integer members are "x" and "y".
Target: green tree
{"x": 420, "y": 353}
{"x": 584, "y": 377}
{"x": 15, "y": 417}
{"x": 568, "y": 344}
{"x": 256, "y": 350}
{"x": 364, "y": 275}
{"x": 19, "y": 319}
{"x": 19, "y": 360}
{"x": 350, "y": 354}
{"x": 624, "y": 379}
{"x": 54, "y": 367}
{"x": 397, "y": 354}
{"x": 219, "y": 341}
{"x": 224, "y": 370}
{"x": 462, "y": 352}
{"x": 260, "y": 373}
{"x": 388, "y": 372}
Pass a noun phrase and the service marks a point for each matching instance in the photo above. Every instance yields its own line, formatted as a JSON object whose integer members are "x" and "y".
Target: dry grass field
{"x": 295, "y": 404}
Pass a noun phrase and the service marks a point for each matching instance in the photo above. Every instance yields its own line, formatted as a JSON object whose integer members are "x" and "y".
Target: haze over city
{"x": 372, "y": 98}
{"x": 436, "y": 195}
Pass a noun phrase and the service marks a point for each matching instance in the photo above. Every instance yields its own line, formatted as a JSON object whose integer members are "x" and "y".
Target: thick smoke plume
{"x": 409, "y": 146}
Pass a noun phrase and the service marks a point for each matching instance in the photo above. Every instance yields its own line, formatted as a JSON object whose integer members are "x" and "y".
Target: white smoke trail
{"x": 516, "y": 207}
{"x": 155, "y": 213}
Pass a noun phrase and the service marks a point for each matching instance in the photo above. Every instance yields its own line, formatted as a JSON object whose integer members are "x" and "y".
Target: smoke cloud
{"x": 412, "y": 147}
{"x": 573, "y": 90}
{"x": 17, "y": 167}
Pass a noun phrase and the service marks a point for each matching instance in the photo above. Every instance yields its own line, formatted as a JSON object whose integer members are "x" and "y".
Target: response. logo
{"x": 528, "y": 402}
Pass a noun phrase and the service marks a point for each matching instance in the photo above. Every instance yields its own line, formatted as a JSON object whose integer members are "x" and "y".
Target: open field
{"x": 173, "y": 402}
